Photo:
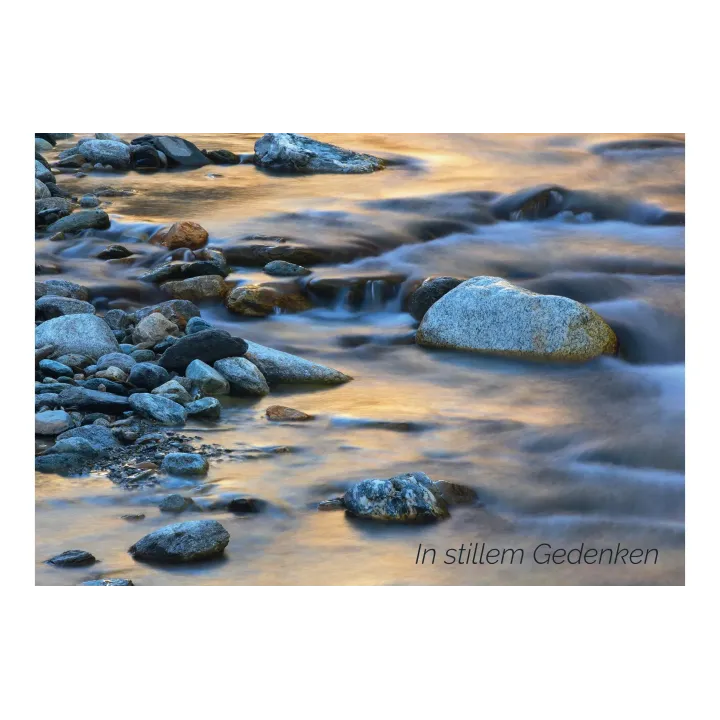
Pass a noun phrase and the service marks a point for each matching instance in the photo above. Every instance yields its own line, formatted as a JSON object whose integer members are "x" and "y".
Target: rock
{"x": 46, "y": 400}
{"x": 86, "y": 400}
{"x": 196, "y": 289}
{"x": 184, "y": 464}
{"x": 72, "y": 558}
{"x": 109, "y": 582}
{"x": 42, "y": 173}
{"x": 89, "y": 201}
{"x": 197, "y": 324}
{"x": 288, "y": 152}
{"x": 65, "y": 464}
{"x": 100, "y": 438}
{"x": 280, "y": 367}
{"x": 177, "y": 311}
{"x": 259, "y": 255}
{"x": 76, "y": 362}
{"x": 177, "y": 504}
{"x": 146, "y": 157}
{"x": 52, "y": 422}
{"x": 51, "y": 206}
{"x": 221, "y": 157}
{"x": 263, "y": 300}
{"x": 117, "y": 319}
{"x": 285, "y": 269}
{"x": 52, "y": 306}
{"x": 208, "y": 408}
{"x": 173, "y": 390}
{"x": 179, "y": 152}
{"x": 82, "y": 334}
{"x": 115, "y": 374}
{"x": 55, "y": 369}
{"x": 242, "y": 376}
{"x": 41, "y": 190}
{"x": 153, "y": 329}
{"x": 107, "y": 152}
{"x": 404, "y": 498}
{"x": 84, "y": 220}
{"x": 61, "y": 288}
{"x": 103, "y": 384}
{"x": 279, "y": 413}
{"x": 208, "y": 346}
{"x": 158, "y": 408}
{"x": 109, "y": 136}
{"x": 45, "y": 351}
{"x": 183, "y": 542}
{"x": 429, "y": 293}
{"x": 142, "y": 355}
{"x": 114, "y": 252}
{"x": 42, "y": 145}
{"x": 118, "y": 360}
{"x": 75, "y": 445}
{"x": 183, "y": 234}
{"x": 148, "y": 375}
{"x": 490, "y": 315}
{"x": 206, "y": 379}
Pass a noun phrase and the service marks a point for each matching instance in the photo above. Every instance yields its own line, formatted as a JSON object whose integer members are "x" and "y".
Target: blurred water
{"x": 589, "y": 454}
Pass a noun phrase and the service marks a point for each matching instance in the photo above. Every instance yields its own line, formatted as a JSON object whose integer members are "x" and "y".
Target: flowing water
{"x": 565, "y": 455}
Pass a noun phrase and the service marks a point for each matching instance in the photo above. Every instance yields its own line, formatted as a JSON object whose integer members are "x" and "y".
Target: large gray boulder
{"x": 490, "y": 315}
{"x": 281, "y": 367}
{"x": 52, "y": 422}
{"x": 81, "y": 334}
{"x": 106, "y": 152}
{"x": 288, "y": 152}
{"x": 158, "y": 408}
{"x": 42, "y": 173}
{"x": 182, "y": 542}
{"x": 52, "y": 306}
{"x": 404, "y": 498}
{"x": 207, "y": 345}
{"x": 243, "y": 377}
{"x": 96, "y": 219}
{"x": 41, "y": 190}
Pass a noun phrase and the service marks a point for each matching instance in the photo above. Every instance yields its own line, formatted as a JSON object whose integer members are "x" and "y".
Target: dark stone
{"x": 72, "y": 558}
{"x": 65, "y": 464}
{"x": 221, "y": 157}
{"x": 148, "y": 375}
{"x": 178, "y": 151}
{"x": 55, "y": 369}
{"x": 100, "y": 438}
{"x": 110, "y": 386}
{"x": 182, "y": 542}
{"x": 113, "y": 252}
{"x": 146, "y": 157}
{"x": 109, "y": 582}
{"x": 80, "y": 398}
{"x": 177, "y": 311}
{"x": 207, "y": 345}
{"x": 196, "y": 325}
{"x": 429, "y": 293}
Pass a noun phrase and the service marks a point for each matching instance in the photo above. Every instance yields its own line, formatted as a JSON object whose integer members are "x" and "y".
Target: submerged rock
{"x": 208, "y": 346}
{"x": 404, "y": 498}
{"x": 264, "y": 300}
{"x": 182, "y": 542}
{"x": 158, "y": 408}
{"x": 243, "y": 377}
{"x": 109, "y": 582}
{"x": 490, "y": 315}
{"x": 429, "y": 293}
{"x": 288, "y": 152}
{"x": 176, "y": 504}
{"x": 72, "y": 558}
{"x": 279, "y": 413}
{"x": 183, "y": 234}
{"x": 185, "y": 464}
{"x": 81, "y": 334}
{"x": 197, "y": 289}
{"x": 281, "y": 367}
{"x": 222, "y": 157}
{"x": 114, "y": 252}
{"x": 281, "y": 268}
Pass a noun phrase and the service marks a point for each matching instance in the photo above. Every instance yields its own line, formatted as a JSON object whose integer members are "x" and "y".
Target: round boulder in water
{"x": 182, "y": 542}
{"x": 429, "y": 293}
{"x": 184, "y": 464}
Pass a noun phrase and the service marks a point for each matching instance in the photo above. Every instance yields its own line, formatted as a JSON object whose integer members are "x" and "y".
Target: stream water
{"x": 590, "y": 454}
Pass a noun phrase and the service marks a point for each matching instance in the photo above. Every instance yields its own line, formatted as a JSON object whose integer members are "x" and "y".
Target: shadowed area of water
{"x": 558, "y": 454}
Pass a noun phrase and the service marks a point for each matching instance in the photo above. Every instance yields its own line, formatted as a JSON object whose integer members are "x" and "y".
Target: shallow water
{"x": 559, "y": 454}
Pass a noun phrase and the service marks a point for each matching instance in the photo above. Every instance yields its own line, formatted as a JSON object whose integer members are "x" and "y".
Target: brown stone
{"x": 264, "y": 300}
{"x": 183, "y": 234}
{"x": 278, "y": 413}
{"x": 195, "y": 289}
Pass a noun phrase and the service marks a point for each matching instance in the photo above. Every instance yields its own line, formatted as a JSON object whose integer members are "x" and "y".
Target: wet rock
{"x": 208, "y": 408}
{"x": 65, "y": 464}
{"x": 46, "y": 400}
{"x": 86, "y": 400}
{"x": 82, "y": 334}
{"x": 183, "y": 234}
{"x": 74, "y": 445}
{"x": 429, "y": 293}
{"x": 148, "y": 375}
{"x": 52, "y": 306}
{"x": 404, "y": 498}
{"x": 285, "y": 269}
{"x": 173, "y": 390}
{"x": 288, "y": 152}
{"x": 109, "y": 136}
{"x": 197, "y": 289}
{"x": 114, "y": 252}
{"x": 279, "y": 413}
{"x": 72, "y": 558}
{"x": 89, "y": 201}
{"x": 645, "y": 145}
{"x": 177, "y": 504}
{"x": 490, "y": 315}
{"x": 259, "y": 255}
{"x": 264, "y": 300}
{"x": 61, "y": 288}
{"x": 208, "y": 346}
{"x": 182, "y": 542}
{"x": 243, "y": 377}
{"x": 109, "y": 582}
{"x": 142, "y": 355}
{"x": 535, "y": 203}
{"x": 104, "y": 385}
{"x": 55, "y": 369}
{"x": 42, "y": 352}
{"x": 41, "y": 190}
{"x": 158, "y": 408}
{"x": 55, "y": 206}
{"x": 146, "y": 157}
{"x": 184, "y": 464}
{"x": 100, "y": 438}
{"x": 280, "y": 367}
{"x": 179, "y": 152}
{"x": 118, "y": 360}
{"x": 107, "y": 152}
{"x": 117, "y": 319}
{"x": 42, "y": 173}
{"x": 177, "y": 311}
{"x": 115, "y": 374}
{"x": 153, "y": 329}
{"x": 221, "y": 157}
{"x": 208, "y": 380}
{"x": 84, "y": 220}
{"x": 74, "y": 361}
{"x": 197, "y": 325}
{"x": 52, "y": 422}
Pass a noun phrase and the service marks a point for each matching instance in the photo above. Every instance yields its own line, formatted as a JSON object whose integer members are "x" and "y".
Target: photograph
{"x": 359, "y": 359}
